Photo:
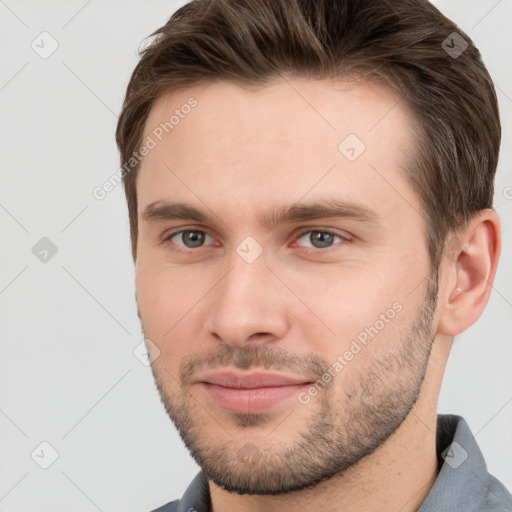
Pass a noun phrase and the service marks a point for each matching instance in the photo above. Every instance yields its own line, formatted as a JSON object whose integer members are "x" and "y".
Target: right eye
{"x": 188, "y": 238}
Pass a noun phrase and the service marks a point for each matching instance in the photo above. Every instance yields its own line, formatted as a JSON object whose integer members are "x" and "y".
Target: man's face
{"x": 292, "y": 348}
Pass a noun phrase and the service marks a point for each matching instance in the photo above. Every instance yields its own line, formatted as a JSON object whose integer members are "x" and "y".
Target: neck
{"x": 396, "y": 476}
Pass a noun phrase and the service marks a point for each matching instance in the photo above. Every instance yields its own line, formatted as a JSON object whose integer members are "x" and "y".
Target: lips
{"x": 230, "y": 379}
{"x": 250, "y": 393}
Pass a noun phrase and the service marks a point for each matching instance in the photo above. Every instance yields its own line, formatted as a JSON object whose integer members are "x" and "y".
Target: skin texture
{"x": 365, "y": 441}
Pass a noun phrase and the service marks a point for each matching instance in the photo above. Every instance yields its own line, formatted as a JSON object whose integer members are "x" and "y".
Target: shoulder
{"x": 196, "y": 498}
{"x": 497, "y": 497}
{"x": 464, "y": 482}
{"x": 170, "y": 507}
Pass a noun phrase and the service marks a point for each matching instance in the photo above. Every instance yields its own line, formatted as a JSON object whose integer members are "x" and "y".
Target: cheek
{"x": 164, "y": 297}
{"x": 342, "y": 295}
{"x": 344, "y": 305}
{"x": 167, "y": 302}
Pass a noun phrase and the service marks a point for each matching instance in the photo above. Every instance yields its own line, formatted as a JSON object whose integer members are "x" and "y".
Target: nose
{"x": 248, "y": 305}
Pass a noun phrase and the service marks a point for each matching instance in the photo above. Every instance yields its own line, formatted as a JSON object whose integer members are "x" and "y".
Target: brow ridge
{"x": 164, "y": 210}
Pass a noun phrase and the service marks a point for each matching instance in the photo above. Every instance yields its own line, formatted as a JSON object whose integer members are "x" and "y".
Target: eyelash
{"x": 168, "y": 238}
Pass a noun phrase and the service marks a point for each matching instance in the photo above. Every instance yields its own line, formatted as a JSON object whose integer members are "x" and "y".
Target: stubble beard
{"x": 340, "y": 431}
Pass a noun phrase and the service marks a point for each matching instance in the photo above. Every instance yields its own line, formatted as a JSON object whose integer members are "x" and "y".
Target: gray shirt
{"x": 463, "y": 482}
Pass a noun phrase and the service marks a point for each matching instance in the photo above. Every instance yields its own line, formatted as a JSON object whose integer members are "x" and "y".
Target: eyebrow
{"x": 164, "y": 211}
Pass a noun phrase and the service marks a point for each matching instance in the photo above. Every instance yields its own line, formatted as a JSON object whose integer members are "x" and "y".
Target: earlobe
{"x": 472, "y": 268}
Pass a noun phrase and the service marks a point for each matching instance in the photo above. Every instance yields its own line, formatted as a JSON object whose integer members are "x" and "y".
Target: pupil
{"x": 321, "y": 238}
{"x": 193, "y": 238}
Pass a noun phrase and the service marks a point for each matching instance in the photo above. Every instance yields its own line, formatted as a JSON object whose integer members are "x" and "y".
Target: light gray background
{"x": 69, "y": 326}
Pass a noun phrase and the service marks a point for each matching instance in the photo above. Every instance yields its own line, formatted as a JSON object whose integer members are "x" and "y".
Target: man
{"x": 310, "y": 188}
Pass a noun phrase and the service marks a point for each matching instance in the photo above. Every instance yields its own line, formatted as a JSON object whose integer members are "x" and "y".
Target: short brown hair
{"x": 404, "y": 42}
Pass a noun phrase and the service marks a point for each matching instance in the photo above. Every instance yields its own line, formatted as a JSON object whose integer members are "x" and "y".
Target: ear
{"x": 467, "y": 273}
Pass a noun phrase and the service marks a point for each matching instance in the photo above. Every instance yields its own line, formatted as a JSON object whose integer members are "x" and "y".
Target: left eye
{"x": 320, "y": 239}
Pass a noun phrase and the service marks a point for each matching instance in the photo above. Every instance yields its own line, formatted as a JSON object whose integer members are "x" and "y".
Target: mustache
{"x": 246, "y": 357}
{"x": 250, "y": 356}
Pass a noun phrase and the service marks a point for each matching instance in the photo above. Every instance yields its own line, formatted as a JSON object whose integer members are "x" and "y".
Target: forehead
{"x": 324, "y": 109}
{"x": 277, "y": 143}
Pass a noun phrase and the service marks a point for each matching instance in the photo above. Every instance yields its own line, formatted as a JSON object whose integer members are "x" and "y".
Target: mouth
{"x": 253, "y": 392}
